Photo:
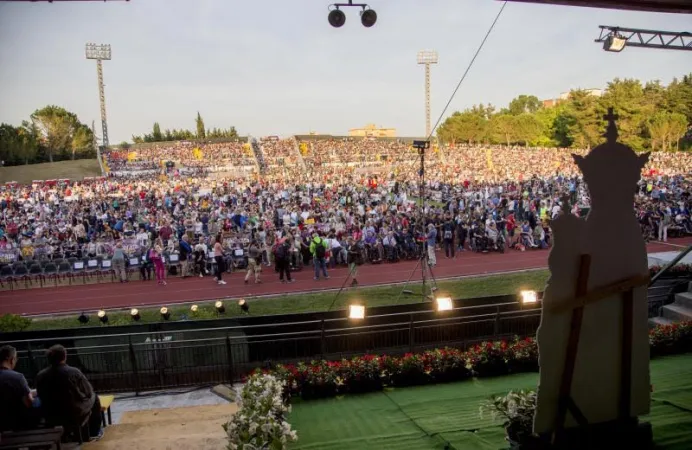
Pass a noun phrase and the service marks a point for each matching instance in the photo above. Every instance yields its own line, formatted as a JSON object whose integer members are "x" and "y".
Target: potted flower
{"x": 516, "y": 409}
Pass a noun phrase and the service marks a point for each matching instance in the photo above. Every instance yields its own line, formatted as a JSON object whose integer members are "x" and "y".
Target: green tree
{"x": 124, "y": 145}
{"x": 59, "y": 132}
{"x": 504, "y": 128}
{"x": 627, "y": 98}
{"x": 524, "y": 104}
{"x": 666, "y": 129}
{"x": 200, "y": 127}
{"x": 156, "y": 135}
{"x": 581, "y": 120}
{"x": 529, "y": 129}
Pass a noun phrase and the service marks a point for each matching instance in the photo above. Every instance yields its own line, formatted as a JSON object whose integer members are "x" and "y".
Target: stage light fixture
{"x": 194, "y": 308}
{"x": 528, "y": 297}
{"x": 444, "y": 304}
{"x": 83, "y": 319}
{"x": 103, "y": 317}
{"x": 134, "y": 313}
{"x": 219, "y": 307}
{"x": 614, "y": 43}
{"x": 336, "y": 18}
{"x": 356, "y": 312}
{"x": 165, "y": 314}
{"x": 244, "y": 306}
{"x": 368, "y": 17}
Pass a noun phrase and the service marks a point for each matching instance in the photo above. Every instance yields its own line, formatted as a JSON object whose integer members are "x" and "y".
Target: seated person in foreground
{"x": 67, "y": 397}
{"x": 16, "y": 398}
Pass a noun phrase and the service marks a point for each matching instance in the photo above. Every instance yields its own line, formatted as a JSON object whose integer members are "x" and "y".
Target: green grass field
{"x": 74, "y": 170}
{"x": 321, "y": 301}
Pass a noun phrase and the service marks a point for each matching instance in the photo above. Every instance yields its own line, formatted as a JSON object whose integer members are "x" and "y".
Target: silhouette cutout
{"x": 611, "y": 235}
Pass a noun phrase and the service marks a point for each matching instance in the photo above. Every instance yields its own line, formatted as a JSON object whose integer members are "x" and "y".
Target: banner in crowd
{"x": 8, "y": 256}
{"x": 197, "y": 153}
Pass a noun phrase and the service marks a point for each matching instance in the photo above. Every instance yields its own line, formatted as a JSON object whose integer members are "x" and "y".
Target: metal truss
{"x": 648, "y": 38}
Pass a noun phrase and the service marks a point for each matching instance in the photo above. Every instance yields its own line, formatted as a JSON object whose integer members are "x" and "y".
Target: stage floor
{"x": 90, "y": 297}
{"x": 430, "y": 417}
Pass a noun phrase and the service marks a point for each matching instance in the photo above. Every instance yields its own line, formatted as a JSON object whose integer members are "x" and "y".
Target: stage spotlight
{"x": 337, "y": 18}
{"x": 165, "y": 314}
{"x": 528, "y": 297}
{"x": 194, "y": 308}
{"x": 134, "y": 313}
{"x": 614, "y": 43}
{"x": 444, "y": 304}
{"x": 356, "y": 312}
{"x": 83, "y": 319}
{"x": 219, "y": 307}
{"x": 103, "y": 317}
{"x": 244, "y": 306}
{"x": 368, "y": 17}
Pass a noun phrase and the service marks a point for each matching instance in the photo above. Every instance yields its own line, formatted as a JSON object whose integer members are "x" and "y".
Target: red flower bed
{"x": 373, "y": 372}
{"x": 678, "y": 270}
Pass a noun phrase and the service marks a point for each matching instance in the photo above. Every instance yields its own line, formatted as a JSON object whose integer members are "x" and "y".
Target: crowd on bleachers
{"x": 358, "y": 195}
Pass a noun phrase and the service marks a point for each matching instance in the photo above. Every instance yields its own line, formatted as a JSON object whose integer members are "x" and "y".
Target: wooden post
{"x": 564, "y": 399}
{"x": 626, "y": 356}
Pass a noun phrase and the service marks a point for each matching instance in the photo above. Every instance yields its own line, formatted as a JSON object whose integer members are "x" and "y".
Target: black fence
{"x": 138, "y": 362}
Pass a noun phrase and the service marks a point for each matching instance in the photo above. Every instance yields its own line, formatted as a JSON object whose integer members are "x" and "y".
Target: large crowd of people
{"x": 203, "y": 209}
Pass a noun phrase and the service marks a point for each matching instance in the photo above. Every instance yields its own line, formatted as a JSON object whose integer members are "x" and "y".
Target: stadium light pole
{"x": 100, "y": 52}
{"x": 427, "y": 57}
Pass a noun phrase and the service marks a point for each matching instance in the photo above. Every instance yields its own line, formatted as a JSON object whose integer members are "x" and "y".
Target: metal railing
{"x": 153, "y": 361}
{"x": 668, "y": 266}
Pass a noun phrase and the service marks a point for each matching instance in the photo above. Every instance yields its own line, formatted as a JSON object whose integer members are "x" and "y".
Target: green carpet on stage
{"x": 430, "y": 417}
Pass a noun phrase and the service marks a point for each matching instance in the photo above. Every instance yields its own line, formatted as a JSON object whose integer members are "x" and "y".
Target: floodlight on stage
{"x": 165, "y": 314}
{"x": 614, "y": 43}
{"x": 368, "y": 17}
{"x": 444, "y": 304}
{"x": 219, "y": 307}
{"x": 356, "y": 312}
{"x": 98, "y": 51}
{"x": 243, "y": 305}
{"x": 336, "y": 18}
{"x": 134, "y": 313}
{"x": 528, "y": 297}
{"x": 194, "y": 308}
{"x": 83, "y": 319}
{"x": 103, "y": 317}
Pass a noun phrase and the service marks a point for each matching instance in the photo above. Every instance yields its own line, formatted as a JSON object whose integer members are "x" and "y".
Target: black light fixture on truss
{"x": 615, "y": 39}
{"x": 337, "y": 18}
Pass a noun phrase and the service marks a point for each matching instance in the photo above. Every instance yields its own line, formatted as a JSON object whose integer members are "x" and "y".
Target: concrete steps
{"x": 678, "y": 311}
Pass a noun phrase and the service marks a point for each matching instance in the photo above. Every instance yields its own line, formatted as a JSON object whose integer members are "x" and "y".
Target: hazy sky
{"x": 277, "y": 67}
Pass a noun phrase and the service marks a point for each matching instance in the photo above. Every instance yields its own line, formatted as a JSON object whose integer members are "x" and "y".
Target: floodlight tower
{"x": 100, "y": 52}
{"x": 427, "y": 57}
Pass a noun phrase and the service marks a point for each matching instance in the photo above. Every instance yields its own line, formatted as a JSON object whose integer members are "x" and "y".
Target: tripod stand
{"x": 423, "y": 261}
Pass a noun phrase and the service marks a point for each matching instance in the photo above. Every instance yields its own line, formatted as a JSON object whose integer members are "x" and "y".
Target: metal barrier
{"x": 154, "y": 361}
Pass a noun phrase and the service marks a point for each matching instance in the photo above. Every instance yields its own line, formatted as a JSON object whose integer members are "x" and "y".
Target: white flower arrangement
{"x": 260, "y": 422}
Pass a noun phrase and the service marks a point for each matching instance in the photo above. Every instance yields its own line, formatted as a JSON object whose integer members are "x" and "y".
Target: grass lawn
{"x": 74, "y": 170}
{"x": 321, "y": 301}
{"x": 447, "y": 415}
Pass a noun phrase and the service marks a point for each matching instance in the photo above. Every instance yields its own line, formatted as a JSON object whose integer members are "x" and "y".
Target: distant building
{"x": 370, "y": 130}
{"x": 565, "y": 95}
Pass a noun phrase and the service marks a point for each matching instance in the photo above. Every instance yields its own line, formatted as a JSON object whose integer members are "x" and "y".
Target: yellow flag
{"x": 489, "y": 158}
{"x": 197, "y": 153}
{"x": 131, "y": 156}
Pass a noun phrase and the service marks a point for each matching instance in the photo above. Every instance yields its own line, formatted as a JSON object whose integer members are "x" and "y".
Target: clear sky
{"x": 276, "y": 66}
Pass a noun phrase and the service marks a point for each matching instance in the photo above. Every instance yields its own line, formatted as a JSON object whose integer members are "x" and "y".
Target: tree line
{"x": 650, "y": 117}
{"x": 51, "y": 134}
{"x": 200, "y": 132}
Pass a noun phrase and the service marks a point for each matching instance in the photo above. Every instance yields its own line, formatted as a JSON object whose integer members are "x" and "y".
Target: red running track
{"x": 66, "y": 299}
